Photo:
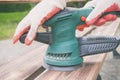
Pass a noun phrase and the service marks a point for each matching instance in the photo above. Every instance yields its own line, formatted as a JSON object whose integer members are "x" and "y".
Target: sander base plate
{"x": 62, "y": 68}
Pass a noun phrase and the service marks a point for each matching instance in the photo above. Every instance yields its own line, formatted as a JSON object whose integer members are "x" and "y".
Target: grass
{"x": 8, "y": 23}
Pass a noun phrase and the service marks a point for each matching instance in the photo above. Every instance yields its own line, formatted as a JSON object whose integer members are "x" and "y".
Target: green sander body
{"x": 64, "y": 48}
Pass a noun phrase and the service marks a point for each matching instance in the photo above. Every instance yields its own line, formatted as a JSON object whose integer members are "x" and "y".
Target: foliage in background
{"x": 10, "y": 16}
{"x": 15, "y": 7}
{"x": 8, "y": 23}
{"x": 76, "y": 4}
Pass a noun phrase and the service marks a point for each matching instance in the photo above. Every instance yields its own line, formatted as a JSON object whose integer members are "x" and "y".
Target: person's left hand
{"x": 36, "y": 17}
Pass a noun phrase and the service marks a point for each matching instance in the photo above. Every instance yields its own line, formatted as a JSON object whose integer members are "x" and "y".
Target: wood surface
{"x": 23, "y": 66}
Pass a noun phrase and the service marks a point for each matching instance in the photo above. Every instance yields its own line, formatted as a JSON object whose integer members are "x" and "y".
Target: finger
{"x": 31, "y": 34}
{"x": 106, "y": 6}
{"x": 100, "y": 22}
{"x": 22, "y": 27}
{"x": 23, "y": 24}
{"x": 106, "y": 18}
{"x": 17, "y": 36}
{"x": 110, "y": 17}
{"x": 81, "y": 27}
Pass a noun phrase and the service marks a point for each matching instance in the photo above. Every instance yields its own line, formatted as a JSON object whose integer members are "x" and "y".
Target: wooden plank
{"x": 91, "y": 65}
{"x": 23, "y": 66}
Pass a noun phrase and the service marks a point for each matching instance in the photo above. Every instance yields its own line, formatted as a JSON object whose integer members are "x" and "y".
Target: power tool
{"x": 65, "y": 52}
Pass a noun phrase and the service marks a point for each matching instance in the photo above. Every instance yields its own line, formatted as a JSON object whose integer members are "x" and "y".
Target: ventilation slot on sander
{"x": 59, "y": 56}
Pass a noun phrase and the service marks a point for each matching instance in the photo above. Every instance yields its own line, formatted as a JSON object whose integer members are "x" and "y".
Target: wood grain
{"x": 23, "y": 66}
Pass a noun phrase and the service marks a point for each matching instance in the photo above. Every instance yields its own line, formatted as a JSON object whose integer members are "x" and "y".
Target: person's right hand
{"x": 101, "y": 7}
{"x": 36, "y": 17}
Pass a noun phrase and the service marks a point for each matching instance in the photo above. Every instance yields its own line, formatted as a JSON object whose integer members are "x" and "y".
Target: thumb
{"x": 31, "y": 34}
{"x": 93, "y": 16}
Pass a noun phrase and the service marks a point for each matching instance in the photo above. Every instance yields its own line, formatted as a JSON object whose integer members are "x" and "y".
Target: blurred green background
{"x": 11, "y": 14}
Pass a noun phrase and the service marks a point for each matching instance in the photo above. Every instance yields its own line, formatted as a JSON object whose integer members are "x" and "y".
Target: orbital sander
{"x": 65, "y": 52}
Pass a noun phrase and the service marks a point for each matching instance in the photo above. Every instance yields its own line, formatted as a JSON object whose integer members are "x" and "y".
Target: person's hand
{"x": 101, "y": 7}
{"x": 36, "y": 17}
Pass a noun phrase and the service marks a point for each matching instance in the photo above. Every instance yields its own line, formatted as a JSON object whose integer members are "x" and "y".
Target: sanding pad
{"x": 62, "y": 68}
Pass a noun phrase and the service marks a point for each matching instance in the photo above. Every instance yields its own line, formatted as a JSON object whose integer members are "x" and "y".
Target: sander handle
{"x": 97, "y": 45}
